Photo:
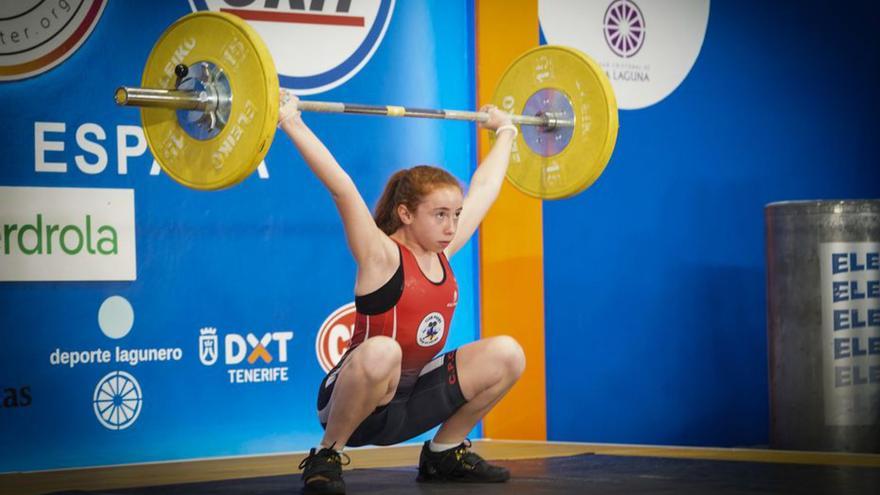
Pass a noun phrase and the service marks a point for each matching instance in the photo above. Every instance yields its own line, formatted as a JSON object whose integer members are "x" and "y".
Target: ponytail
{"x": 386, "y": 215}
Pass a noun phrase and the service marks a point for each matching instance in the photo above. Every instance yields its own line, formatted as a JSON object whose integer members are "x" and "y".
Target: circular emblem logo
{"x": 334, "y": 336}
{"x": 624, "y": 28}
{"x": 38, "y": 34}
{"x": 643, "y": 69}
{"x": 316, "y": 45}
{"x": 117, "y": 400}
{"x": 430, "y": 330}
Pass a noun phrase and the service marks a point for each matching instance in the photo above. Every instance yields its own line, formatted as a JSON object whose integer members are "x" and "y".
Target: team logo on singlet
{"x": 430, "y": 330}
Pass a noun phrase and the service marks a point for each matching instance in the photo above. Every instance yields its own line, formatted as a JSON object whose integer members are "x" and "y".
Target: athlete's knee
{"x": 379, "y": 358}
{"x": 509, "y": 355}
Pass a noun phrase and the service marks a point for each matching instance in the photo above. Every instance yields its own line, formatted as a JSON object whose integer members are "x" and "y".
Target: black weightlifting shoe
{"x": 458, "y": 465}
{"x": 322, "y": 472}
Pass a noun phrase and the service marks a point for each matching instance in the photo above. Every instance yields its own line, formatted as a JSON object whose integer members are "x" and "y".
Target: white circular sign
{"x": 36, "y": 35}
{"x": 647, "y": 47}
{"x": 115, "y": 317}
{"x": 316, "y": 46}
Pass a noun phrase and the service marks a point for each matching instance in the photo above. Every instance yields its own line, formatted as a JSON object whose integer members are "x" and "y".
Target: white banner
{"x": 64, "y": 234}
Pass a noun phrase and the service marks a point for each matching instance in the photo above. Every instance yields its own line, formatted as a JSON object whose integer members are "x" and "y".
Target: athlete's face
{"x": 436, "y": 218}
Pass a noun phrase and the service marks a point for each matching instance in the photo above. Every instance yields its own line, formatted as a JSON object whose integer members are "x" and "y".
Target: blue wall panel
{"x": 655, "y": 277}
{"x": 267, "y": 255}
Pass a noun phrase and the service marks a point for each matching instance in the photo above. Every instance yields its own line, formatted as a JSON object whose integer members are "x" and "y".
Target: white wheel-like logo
{"x": 117, "y": 400}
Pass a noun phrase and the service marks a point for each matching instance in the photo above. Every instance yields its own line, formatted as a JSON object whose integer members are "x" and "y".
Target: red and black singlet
{"x": 411, "y": 309}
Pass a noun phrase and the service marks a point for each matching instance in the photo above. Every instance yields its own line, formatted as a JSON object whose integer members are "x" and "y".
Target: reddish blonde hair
{"x": 408, "y": 187}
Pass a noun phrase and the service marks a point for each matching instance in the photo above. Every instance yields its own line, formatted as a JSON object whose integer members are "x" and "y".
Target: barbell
{"x": 209, "y": 101}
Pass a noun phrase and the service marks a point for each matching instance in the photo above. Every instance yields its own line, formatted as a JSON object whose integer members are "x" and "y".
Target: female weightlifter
{"x": 391, "y": 385}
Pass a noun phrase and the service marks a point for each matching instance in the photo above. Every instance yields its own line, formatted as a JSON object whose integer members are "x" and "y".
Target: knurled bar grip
{"x": 192, "y": 100}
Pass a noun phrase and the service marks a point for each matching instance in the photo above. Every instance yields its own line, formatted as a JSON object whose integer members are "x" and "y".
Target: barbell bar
{"x": 209, "y": 98}
{"x": 204, "y": 101}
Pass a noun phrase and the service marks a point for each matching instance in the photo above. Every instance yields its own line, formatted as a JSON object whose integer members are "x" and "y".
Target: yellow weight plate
{"x": 234, "y": 153}
{"x": 567, "y": 75}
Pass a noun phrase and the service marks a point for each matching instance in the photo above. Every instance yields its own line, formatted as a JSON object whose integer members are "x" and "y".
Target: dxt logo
{"x": 238, "y": 348}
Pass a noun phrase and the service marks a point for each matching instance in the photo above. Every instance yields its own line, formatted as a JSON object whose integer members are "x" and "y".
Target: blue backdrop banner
{"x": 144, "y": 321}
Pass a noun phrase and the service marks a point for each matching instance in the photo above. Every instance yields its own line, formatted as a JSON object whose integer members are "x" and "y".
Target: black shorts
{"x": 433, "y": 399}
